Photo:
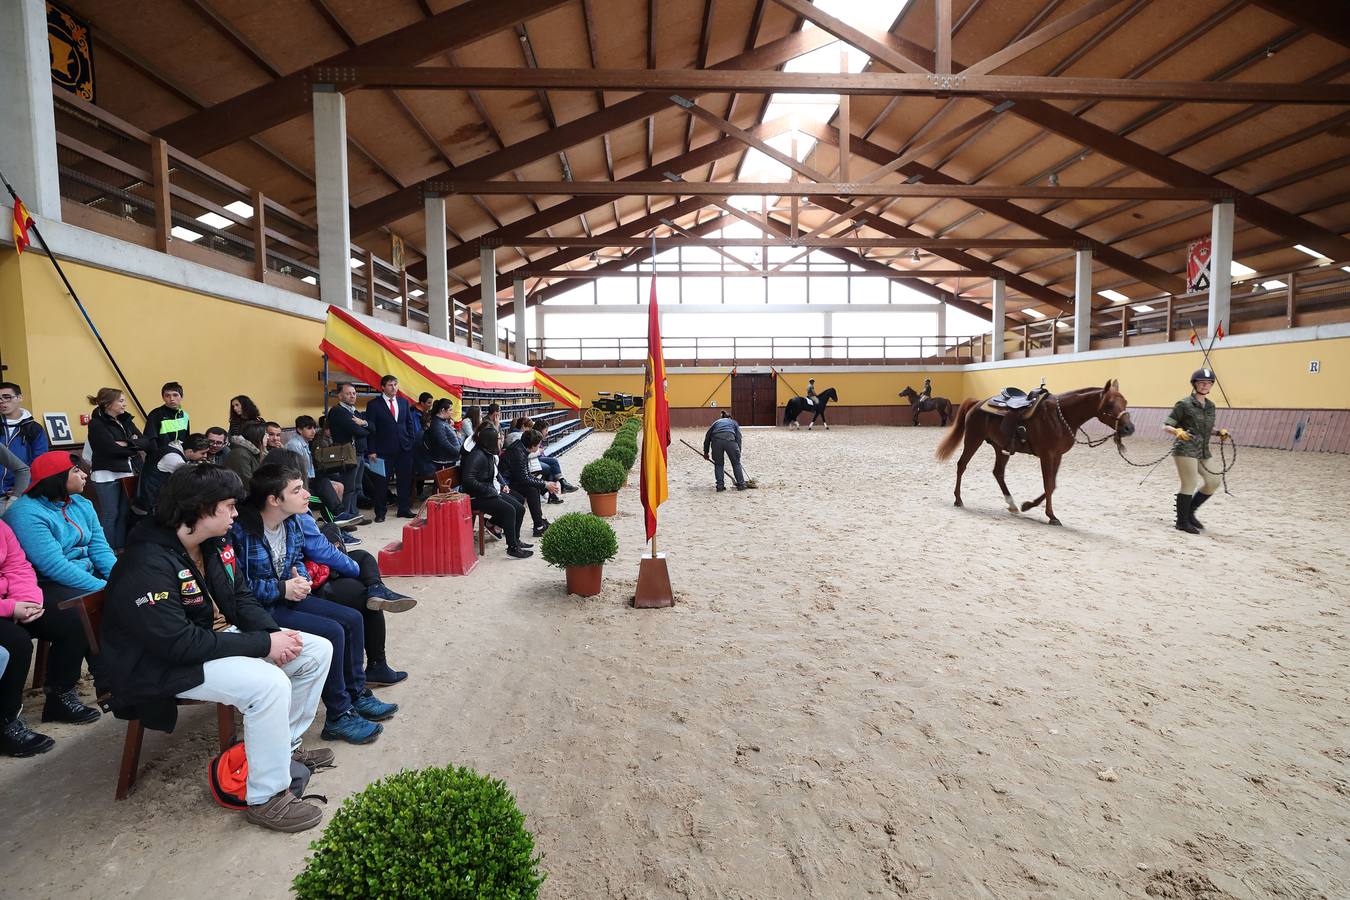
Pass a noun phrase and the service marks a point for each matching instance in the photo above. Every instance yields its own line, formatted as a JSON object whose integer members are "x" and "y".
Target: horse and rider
{"x": 813, "y": 403}
{"x": 924, "y": 401}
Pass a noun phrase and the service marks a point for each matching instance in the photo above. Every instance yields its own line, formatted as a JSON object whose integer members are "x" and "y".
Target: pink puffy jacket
{"x": 18, "y": 581}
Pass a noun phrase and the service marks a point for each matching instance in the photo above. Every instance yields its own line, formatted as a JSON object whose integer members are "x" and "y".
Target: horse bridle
{"x": 1089, "y": 441}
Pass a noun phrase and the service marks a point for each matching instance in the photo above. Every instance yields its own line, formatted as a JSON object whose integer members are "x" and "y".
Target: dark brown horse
{"x": 941, "y": 405}
{"x": 1050, "y": 434}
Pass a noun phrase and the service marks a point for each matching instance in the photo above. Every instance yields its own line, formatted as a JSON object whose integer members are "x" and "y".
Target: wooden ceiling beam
{"x": 895, "y": 58}
{"x": 1326, "y": 21}
{"x": 631, "y": 188}
{"x": 401, "y": 203}
{"x": 1147, "y": 161}
{"x": 1040, "y": 36}
{"x": 881, "y": 84}
{"x": 285, "y": 98}
{"x": 890, "y": 271}
{"x": 603, "y": 241}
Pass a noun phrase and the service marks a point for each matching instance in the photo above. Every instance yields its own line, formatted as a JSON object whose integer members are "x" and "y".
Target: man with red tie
{"x": 392, "y": 436}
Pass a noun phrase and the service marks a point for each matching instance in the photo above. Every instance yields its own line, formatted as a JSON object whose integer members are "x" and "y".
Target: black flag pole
{"x": 71, "y": 290}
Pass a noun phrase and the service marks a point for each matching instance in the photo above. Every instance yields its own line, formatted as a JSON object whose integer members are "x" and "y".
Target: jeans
{"x": 728, "y": 448}
{"x": 342, "y": 628}
{"x": 278, "y": 704}
{"x": 530, "y": 494}
{"x": 351, "y": 485}
{"x": 550, "y": 466}
{"x": 322, "y": 487}
{"x": 114, "y": 510}
{"x": 352, "y": 594}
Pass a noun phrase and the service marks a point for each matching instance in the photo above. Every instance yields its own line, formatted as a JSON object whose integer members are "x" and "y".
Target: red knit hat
{"x": 53, "y": 462}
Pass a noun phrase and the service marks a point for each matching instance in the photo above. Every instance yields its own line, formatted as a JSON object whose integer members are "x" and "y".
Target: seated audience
{"x": 243, "y": 411}
{"x": 525, "y": 486}
{"x": 218, "y": 442}
{"x": 20, "y": 434}
{"x": 159, "y": 643}
{"x": 478, "y": 479}
{"x": 117, "y": 446}
{"x": 518, "y": 425}
{"x": 327, "y": 490}
{"x": 194, "y": 448}
{"x": 270, "y": 546}
{"x": 63, "y": 541}
{"x": 12, "y": 466}
{"x": 22, "y": 620}
{"x": 439, "y": 446}
{"x": 246, "y": 451}
{"x": 468, "y": 425}
{"x": 275, "y": 439}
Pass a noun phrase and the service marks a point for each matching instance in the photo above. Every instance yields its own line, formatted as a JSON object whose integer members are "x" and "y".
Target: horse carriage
{"x": 609, "y": 411}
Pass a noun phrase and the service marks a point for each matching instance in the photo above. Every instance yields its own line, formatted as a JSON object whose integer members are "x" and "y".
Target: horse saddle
{"x": 809, "y": 401}
{"x": 1011, "y": 398}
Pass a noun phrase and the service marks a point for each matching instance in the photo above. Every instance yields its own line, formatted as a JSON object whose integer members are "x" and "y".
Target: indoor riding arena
{"x": 753, "y": 449}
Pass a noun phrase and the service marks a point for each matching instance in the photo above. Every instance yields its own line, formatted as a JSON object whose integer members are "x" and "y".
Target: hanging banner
{"x": 72, "y": 58}
{"x": 1197, "y": 266}
{"x": 396, "y": 253}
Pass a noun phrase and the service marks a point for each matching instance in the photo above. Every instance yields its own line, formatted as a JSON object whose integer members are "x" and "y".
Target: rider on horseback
{"x": 927, "y": 392}
{"x": 811, "y": 392}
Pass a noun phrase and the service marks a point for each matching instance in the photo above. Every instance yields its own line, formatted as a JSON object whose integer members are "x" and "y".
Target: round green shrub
{"x": 626, "y": 440}
{"x": 440, "y": 832}
{"x": 623, "y": 454}
{"x": 578, "y": 539}
{"x": 602, "y": 476}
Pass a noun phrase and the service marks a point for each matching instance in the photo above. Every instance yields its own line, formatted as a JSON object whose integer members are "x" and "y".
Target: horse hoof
{"x": 958, "y": 503}
{"x": 1026, "y": 507}
{"x": 1056, "y": 522}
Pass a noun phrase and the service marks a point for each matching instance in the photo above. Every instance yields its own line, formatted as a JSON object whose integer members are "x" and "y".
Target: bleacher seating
{"x": 564, "y": 430}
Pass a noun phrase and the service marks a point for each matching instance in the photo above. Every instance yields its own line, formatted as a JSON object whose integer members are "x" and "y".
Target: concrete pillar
{"x": 28, "y": 135}
{"x": 1082, "y": 300}
{"x": 487, "y": 275}
{"x": 828, "y": 334}
{"x": 438, "y": 275}
{"x": 539, "y": 331}
{"x": 1221, "y": 268}
{"x": 330, "y": 184}
{"x": 1000, "y": 317}
{"x": 522, "y": 322}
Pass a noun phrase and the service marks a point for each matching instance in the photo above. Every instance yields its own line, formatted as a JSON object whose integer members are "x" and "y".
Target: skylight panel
{"x": 184, "y": 234}
{"x": 213, "y": 220}
{"x": 1113, "y": 296}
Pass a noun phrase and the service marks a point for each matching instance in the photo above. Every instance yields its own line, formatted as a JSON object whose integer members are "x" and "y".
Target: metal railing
{"x": 718, "y": 350}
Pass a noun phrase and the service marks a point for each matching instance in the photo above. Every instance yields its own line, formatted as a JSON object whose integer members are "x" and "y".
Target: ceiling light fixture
{"x": 1054, "y": 179}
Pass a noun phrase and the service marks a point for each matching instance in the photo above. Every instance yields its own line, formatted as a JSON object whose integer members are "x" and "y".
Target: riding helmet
{"x": 1202, "y": 375}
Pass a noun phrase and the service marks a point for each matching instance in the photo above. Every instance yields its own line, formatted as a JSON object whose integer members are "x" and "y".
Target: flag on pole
{"x": 1219, "y": 331}
{"x": 22, "y": 221}
{"x": 655, "y": 420}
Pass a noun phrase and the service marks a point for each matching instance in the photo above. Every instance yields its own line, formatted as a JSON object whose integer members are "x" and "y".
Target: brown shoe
{"x": 313, "y": 759}
{"x": 285, "y": 812}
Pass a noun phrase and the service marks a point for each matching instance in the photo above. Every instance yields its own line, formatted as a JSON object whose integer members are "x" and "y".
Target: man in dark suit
{"x": 393, "y": 432}
{"x": 347, "y": 427}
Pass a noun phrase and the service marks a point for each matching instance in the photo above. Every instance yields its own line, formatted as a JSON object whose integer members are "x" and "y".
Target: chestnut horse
{"x": 1050, "y": 434}
{"x": 941, "y": 405}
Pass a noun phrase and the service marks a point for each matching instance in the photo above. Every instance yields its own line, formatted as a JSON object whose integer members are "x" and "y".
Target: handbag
{"x": 318, "y": 573}
{"x": 337, "y": 456}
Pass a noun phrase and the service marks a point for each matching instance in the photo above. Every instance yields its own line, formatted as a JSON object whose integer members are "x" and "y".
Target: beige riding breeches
{"x": 1196, "y": 474}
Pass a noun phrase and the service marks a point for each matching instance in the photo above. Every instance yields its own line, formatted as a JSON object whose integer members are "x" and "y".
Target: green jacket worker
{"x": 1191, "y": 422}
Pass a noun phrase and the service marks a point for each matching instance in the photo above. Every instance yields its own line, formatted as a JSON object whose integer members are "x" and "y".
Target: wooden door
{"x": 754, "y": 399}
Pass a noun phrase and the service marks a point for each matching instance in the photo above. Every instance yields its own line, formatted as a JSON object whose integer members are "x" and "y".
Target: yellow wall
{"x": 693, "y": 390}
{"x": 1271, "y": 376}
{"x": 158, "y": 333}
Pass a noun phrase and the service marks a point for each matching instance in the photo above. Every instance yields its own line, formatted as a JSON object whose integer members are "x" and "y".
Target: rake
{"x": 749, "y": 482}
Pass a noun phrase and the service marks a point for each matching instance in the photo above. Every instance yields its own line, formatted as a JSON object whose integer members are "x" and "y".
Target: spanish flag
{"x": 655, "y": 421}
{"x": 22, "y": 222}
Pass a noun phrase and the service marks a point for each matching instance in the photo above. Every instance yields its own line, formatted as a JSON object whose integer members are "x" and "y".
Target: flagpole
{"x": 1209, "y": 365}
{"x": 66, "y": 281}
{"x": 649, "y": 351}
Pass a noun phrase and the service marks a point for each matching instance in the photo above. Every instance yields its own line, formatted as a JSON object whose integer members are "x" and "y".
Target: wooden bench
{"x": 90, "y": 610}
{"x": 447, "y": 480}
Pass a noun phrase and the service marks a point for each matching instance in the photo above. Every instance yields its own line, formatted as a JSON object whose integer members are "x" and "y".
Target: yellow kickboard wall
{"x": 214, "y": 348}
{"x": 1270, "y": 376}
{"x": 693, "y": 390}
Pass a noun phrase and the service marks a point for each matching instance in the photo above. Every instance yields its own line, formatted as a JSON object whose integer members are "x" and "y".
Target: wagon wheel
{"x": 591, "y": 417}
{"x": 612, "y": 422}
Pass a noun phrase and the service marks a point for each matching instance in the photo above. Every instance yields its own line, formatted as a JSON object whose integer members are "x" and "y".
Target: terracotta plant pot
{"x": 584, "y": 581}
{"x": 604, "y": 504}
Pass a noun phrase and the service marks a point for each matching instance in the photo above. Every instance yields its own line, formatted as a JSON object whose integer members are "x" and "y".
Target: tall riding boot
{"x": 1196, "y": 501}
{"x": 1184, "y": 514}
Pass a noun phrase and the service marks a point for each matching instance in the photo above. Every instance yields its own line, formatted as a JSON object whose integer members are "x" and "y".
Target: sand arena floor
{"x": 853, "y": 698}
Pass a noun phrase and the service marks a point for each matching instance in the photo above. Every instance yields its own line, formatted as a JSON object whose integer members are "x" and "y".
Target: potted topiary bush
{"x": 439, "y": 832}
{"x": 623, "y": 454}
{"x": 601, "y": 480}
{"x": 581, "y": 544}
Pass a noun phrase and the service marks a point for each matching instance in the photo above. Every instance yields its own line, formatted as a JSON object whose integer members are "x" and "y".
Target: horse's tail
{"x": 787, "y": 413}
{"x": 956, "y": 433}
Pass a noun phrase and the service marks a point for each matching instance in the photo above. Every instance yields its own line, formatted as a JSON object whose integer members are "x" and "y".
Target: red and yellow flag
{"x": 22, "y": 221}
{"x": 655, "y": 421}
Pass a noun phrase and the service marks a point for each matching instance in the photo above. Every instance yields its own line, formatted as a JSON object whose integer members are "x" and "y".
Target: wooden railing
{"x": 122, "y": 181}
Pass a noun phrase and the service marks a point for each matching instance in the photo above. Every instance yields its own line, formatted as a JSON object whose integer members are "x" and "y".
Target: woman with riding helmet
{"x": 1191, "y": 422}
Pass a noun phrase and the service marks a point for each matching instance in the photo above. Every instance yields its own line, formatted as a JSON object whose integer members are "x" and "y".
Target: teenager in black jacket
{"x": 527, "y": 487}
{"x": 478, "y": 479}
{"x": 159, "y": 643}
{"x": 117, "y": 445}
